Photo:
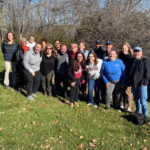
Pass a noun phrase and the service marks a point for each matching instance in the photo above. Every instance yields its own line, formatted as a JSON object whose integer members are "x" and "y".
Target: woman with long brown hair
{"x": 76, "y": 66}
{"x": 47, "y": 68}
{"x": 125, "y": 55}
{"x": 93, "y": 70}
{"x": 9, "y": 48}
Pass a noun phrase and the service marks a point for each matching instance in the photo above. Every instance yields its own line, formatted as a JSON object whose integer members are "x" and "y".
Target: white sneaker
{"x": 128, "y": 110}
{"x": 122, "y": 107}
{"x": 95, "y": 106}
{"x": 34, "y": 95}
{"x": 89, "y": 104}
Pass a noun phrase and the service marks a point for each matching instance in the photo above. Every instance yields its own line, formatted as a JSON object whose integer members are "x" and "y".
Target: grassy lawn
{"x": 49, "y": 123}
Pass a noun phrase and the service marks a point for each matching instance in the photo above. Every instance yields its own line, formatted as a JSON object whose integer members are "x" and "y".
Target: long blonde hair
{"x": 129, "y": 47}
{"x": 53, "y": 50}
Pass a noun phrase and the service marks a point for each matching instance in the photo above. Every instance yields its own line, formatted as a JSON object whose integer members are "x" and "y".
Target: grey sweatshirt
{"x": 62, "y": 63}
{"x": 32, "y": 61}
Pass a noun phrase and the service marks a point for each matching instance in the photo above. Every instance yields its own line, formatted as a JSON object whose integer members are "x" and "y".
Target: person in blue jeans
{"x": 93, "y": 70}
{"x": 139, "y": 74}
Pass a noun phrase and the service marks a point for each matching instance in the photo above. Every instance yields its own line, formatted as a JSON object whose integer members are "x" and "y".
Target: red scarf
{"x": 72, "y": 54}
{"x": 25, "y": 48}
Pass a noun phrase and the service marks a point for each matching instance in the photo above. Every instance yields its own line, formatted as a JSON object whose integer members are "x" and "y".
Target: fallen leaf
{"x": 8, "y": 132}
{"x": 144, "y": 148}
{"x": 71, "y": 130}
{"x": 80, "y": 145}
{"x": 39, "y": 115}
{"x": 75, "y": 133}
{"x": 62, "y": 142}
{"x": 54, "y": 141}
{"x": 102, "y": 143}
{"x": 94, "y": 141}
{"x": 81, "y": 137}
{"x": 62, "y": 114}
{"x": 1, "y": 128}
{"x": 91, "y": 144}
{"x": 30, "y": 134}
{"x": 33, "y": 123}
{"x": 59, "y": 136}
{"x": 47, "y": 146}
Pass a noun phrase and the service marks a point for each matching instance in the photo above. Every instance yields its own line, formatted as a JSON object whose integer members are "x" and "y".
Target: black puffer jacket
{"x": 142, "y": 72}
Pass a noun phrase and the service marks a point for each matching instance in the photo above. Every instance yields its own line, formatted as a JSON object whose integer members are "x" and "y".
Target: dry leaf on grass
{"x": 80, "y": 145}
{"x": 39, "y": 115}
{"x": 33, "y": 123}
{"x": 91, "y": 144}
{"x": 75, "y": 133}
{"x": 144, "y": 148}
{"x": 1, "y": 128}
{"x": 81, "y": 137}
{"x": 94, "y": 141}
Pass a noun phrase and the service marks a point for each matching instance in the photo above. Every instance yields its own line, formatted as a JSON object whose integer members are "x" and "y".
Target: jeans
{"x": 140, "y": 98}
{"x": 93, "y": 84}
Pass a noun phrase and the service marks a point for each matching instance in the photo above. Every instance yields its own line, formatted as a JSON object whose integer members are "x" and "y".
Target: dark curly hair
{"x": 14, "y": 37}
{"x": 83, "y": 62}
{"x": 44, "y": 40}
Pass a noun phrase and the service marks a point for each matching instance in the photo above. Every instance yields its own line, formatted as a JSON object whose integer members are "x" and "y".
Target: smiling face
{"x": 79, "y": 57}
{"x": 57, "y": 45}
{"x": 74, "y": 48}
{"x": 49, "y": 50}
{"x": 37, "y": 48}
{"x": 31, "y": 39}
{"x": 24, "y": 42}
{"x": 112, "y": 56}
{"x": 91, "y": 58}
{"x": 125, "y": 49}
{"x": 63, "y": 49}
{"x": 109, "y": 48}
{"x": 81, "y": 47}
{"x": 10, "y": 36}
{"x": 138, "y": 54}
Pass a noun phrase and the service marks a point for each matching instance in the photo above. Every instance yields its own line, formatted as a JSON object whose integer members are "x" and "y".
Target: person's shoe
{"x": 106, "y": 109}
{"x": 95, "y": 106}
{"x": 19, "y": 91}
{"x": 49, "y": 94}
{"x": 5, "y": 87}
{"x": 122, "y": 107}
{"x": 34, "y": 95}
{"x": 71, "y": 105}
{"x": 128, "y": 110}
{"x": 30, "y": 98}
{"x": 76, "y": 104}
{"x": 45, "y": 93}
{"x": 89, "y": 104}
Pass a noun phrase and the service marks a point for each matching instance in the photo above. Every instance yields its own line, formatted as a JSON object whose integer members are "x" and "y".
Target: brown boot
{"x": 45, "y": 93}
{"x": 49, "y": 94}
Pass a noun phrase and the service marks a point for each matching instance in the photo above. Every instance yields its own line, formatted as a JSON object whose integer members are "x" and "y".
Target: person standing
{"x": 76, "y": 66}
{"x": 19, "y": 63}
{"x": 98, "y": 49}
{"x": 139, "y": 74}
{"x": 125, "y": 55}
{"x": 82, "y": 48}
{"x": 74, "y": 50}
{"x": 61, "y": 70}
{"x": 57, "y": 44}
{"x": 93, "y": 69}
{"x": 31, "y": 62}
{"x": 114, "y": 75}
{"x": 31, "y": 43}
{"x": 47, "y": 68}
{"x": 9, "y": 48}
{"x": 44, "y": 42}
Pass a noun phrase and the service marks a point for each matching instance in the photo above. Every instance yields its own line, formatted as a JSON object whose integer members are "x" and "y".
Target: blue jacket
{"x": 9, "y": 51}
{"x": 113, "y": 71}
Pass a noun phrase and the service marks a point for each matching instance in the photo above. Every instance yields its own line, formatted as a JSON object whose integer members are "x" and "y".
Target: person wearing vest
{"x": 9, "y": 48}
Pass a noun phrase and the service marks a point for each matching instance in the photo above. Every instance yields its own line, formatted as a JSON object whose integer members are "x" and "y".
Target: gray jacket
{"x": 32, "y": 61}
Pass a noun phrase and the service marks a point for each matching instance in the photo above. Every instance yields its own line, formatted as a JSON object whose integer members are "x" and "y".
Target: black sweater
{"x": 142, "y": 72}
{"x": 126, "y": 58}
{"x": 47, "y": 64}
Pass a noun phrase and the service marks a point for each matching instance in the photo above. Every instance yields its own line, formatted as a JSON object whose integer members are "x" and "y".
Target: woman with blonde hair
{"x": 125, "y": 55}
{"x": 47, "y": 68}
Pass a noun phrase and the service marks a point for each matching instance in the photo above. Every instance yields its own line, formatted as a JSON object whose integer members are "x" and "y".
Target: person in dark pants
{"x": 75, "y": 76}
{"x": 23, "y": 48}
{"x": 31, "y": 62}
{"x": 62, "y": 62}
{"x": 9, "y": 48}
{"x": 47, "y": 69}
{"x": 139, "y": 74}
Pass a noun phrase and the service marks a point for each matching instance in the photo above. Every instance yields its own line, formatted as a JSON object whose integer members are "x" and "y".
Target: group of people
{"x": 124, "y": 75}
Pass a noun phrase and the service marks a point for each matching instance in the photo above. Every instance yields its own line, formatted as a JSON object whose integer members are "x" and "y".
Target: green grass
{"x": 59, "y": 127}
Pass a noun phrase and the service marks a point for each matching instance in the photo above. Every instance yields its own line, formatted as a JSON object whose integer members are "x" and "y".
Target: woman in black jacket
{"x": 9, "y": 48}
{"x": 75, "y": 69}
{"x": 125, "y": 55}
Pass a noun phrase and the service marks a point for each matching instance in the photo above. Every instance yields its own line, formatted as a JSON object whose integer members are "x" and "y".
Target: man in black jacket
{"x": 139, "y": 74}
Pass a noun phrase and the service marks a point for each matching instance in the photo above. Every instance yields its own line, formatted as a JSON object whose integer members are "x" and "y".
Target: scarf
{"x": 25, "y": 48}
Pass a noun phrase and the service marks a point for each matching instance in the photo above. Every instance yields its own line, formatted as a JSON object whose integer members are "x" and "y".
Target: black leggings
{"x": 33, "y": 81}
{"x": 74, "y": 91}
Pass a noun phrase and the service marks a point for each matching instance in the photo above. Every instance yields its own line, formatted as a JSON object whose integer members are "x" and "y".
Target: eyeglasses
{"x": 80, "y": 56}
{"x": 49, "y": 48}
